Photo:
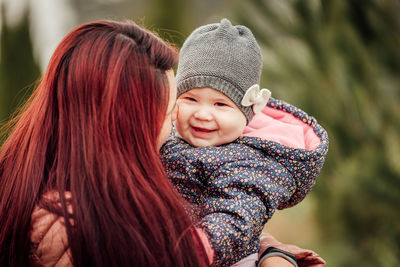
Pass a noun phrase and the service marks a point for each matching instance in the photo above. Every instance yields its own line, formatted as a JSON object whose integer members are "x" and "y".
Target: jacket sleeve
{"x": 185, "y": 180}
{"x": 183, "y": 175}
{"x": 240, "y": 197}
{"x": 49, "y": 240}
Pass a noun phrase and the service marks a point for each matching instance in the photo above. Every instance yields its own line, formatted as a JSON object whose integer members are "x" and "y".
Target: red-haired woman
{"x": 81, "y": 181}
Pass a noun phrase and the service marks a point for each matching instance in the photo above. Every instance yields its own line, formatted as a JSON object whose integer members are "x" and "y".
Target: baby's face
{"x": 207, "y": 117}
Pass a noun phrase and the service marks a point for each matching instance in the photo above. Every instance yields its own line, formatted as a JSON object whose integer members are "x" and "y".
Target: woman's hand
{"x": 304, "y": 257}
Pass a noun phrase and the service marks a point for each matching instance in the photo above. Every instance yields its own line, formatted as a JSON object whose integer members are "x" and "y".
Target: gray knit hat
{"x": 220, "y": 56}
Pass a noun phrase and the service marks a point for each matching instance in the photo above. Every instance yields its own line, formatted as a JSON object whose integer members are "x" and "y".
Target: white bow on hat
{"x": 256, "y": 98}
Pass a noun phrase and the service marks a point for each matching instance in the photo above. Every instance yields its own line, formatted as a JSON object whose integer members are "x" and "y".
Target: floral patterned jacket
{"x": 235, "y": 188}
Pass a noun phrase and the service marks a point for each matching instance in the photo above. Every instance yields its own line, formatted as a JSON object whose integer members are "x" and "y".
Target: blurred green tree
{"x": 18, "y": 68}
{"x": 340, "y": 61}
{"x": 167, "y": 15}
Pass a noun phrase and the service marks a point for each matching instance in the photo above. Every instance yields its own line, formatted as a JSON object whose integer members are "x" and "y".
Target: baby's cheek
{"x": 181, "y": 114}
{"x": 237, "y": 128}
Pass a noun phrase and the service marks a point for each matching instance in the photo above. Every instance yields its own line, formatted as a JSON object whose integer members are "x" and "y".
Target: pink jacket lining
{"x": 282, "y": 127}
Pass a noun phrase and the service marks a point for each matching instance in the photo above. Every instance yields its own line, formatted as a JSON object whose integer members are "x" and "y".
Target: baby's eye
{"x": 220, "y": 104}
{"x": 190, "y": 99}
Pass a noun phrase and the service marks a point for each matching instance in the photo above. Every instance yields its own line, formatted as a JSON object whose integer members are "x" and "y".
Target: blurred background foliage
{"x": 337, "y": 60}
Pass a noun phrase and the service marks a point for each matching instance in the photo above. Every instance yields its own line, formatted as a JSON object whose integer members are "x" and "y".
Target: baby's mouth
{"x": 202, "y": 130}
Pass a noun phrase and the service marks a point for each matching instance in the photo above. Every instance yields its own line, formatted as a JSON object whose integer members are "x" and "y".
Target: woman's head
{"x": 93, "y": 128}
{"x": 112, "y": 77}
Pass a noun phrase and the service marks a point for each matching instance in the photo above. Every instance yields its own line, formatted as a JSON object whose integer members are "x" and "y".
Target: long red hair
{"x": 91, "y": 129}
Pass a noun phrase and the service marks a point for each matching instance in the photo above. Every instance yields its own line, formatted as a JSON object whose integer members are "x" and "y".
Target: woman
{"x": 81, "y": 182}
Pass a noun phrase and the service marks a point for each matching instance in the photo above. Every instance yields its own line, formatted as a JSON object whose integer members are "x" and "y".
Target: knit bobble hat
{"x": 223, "y": 57}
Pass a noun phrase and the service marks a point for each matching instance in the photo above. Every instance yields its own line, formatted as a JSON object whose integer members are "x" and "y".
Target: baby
{"x": 236, "y": 168}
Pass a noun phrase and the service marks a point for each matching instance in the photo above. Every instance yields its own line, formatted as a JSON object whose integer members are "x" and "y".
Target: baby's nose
{"x": 203, "y": 113}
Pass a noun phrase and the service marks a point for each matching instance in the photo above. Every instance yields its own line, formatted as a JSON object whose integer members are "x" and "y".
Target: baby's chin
{"x": 204, "y": 142}
{"x": 195, "y": 141}
{"x": 200, "y": 143}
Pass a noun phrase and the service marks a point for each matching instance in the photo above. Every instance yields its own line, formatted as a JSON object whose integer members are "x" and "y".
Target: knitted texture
{"x": 223, "y": 57}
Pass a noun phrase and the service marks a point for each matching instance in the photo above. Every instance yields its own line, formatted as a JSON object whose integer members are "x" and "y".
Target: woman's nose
{"x": 203, "y": 113}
